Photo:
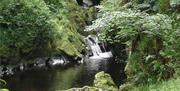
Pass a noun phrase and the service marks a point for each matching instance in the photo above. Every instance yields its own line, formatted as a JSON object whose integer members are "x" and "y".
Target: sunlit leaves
{"x": 122, "y": 26}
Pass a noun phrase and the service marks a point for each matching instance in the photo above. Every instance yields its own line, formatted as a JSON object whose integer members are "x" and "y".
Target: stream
{"x": 53, "y": 76}
{"x": 64, "y": 77}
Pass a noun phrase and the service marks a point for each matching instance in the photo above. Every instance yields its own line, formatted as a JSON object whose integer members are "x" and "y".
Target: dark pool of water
{"x": 64, "y": 77}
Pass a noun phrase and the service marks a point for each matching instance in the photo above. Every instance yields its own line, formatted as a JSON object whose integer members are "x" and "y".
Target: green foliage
{"x": 153, "y": 38}
{"x": 122, "y": 26}
{"x": 164, "y": 5}
{"x": 70, "y": 11}
{"x": 45, "y": 27}
{"x": 111, "y": 5}
{"x": 22, "y": 23}
{"x": 144, "y": 34}
{"x": 172, "y": 44}
{"x": 150, "y": 6}
{"x": 171, "y": 85}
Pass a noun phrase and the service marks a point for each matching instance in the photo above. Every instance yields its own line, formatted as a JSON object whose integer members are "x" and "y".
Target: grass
{"x": 171, "y": 85}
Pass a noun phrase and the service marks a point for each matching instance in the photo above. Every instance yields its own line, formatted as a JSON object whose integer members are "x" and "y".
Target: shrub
{"x": 24, "y": 26}
{"x": 35, "y": 28}
{"x": 144, "y": 34}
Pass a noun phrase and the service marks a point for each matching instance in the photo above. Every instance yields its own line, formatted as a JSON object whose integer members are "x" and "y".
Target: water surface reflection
{"x": 61, "y": 78}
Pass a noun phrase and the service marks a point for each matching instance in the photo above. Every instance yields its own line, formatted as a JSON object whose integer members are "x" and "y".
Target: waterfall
{"x": 92, "y": 42}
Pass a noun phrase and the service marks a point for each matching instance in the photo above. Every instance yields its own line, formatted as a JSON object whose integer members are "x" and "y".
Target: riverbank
{"x": 142, "y": 37}
{"x": 170, "y": 85}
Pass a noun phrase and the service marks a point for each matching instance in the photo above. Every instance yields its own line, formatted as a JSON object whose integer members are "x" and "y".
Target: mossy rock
{"x": 4, "y": 90}
{"x": 104, "y": 81}
{"x": 85, "y": 88}
{"x": 126, "y": 87}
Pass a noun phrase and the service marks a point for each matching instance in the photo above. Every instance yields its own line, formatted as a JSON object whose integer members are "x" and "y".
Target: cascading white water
{"x": 92, "y": 42}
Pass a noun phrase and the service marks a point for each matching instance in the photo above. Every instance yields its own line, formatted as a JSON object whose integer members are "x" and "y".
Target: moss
{"x": 4, "y": 90}
{"x": 67, "y": 39}
{"x": 126, "y": 87}
{"x": 104, "y": 81}
{"x": 85, "y": 88}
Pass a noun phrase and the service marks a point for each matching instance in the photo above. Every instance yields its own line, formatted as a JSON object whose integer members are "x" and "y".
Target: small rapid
{"x": 97, "y": 53}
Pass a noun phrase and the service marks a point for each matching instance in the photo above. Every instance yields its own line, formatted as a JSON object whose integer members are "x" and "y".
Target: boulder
{"x": 126, "y": 87}
{"x": 4, "y": 90}
{"x": 105, "y": 82}
{"x": 85, "y": 88}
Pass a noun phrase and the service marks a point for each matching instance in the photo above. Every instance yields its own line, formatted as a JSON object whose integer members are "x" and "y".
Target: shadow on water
{"x": 61, "y": 78}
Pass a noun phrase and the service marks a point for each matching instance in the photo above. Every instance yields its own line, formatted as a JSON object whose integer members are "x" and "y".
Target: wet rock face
{"x": 105, "y": 82}
{"x": 6, "y": 71}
